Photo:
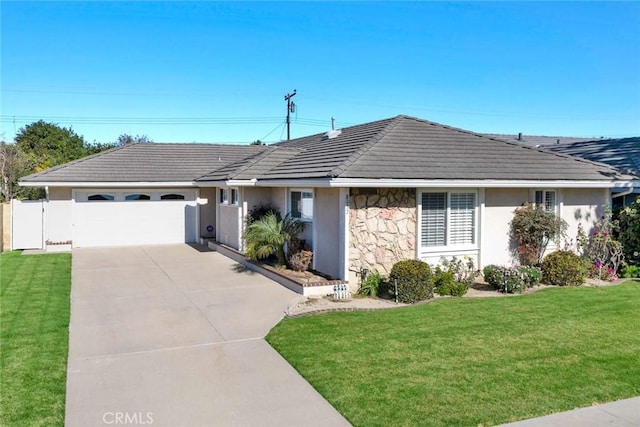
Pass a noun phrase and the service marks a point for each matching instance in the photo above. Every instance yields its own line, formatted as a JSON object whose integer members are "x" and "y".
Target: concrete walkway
{"x": 622, "y": 413}
{"x": 172, "y": 336}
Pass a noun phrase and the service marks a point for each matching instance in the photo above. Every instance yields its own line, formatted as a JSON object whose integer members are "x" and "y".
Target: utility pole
{"x": 291, "y": 107}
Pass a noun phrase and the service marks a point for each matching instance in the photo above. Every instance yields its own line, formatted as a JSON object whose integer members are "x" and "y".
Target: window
{"x": 547, "y": 199}
{"x": 234, "y": 196}
{"x": 172, "y": 196}
{"x": 137, "y": 197}
{"x": 100, "y": 197}
{"x": 448, "y": 219}
{"x": 301, "y": 204}
{"x": 224, "y": 195}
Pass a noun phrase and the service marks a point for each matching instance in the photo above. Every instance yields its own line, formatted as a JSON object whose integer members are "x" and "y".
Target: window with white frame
{"x": 224, "y": 195}
{"x": 448, "y": 219}
{"x": 547, "y": 199}
{"x": 234, "y": 196}
{"x": 301, "y": 204}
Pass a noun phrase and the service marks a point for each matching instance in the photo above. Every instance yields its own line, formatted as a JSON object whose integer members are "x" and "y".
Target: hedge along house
{"x": 371, "y": 194}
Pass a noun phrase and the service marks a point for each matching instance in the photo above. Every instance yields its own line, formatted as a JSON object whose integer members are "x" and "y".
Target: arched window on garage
{"x": 100, "y": 197}
{"x": 137, "y": 196}
{"x": 172, "y": 196}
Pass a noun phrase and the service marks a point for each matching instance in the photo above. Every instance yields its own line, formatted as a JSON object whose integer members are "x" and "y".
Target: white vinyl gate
{"x": 27, "y": 224}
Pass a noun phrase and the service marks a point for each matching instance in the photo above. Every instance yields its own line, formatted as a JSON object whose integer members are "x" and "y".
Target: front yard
{"x": 34, "y": 331}
{"x": 471, "y": 362}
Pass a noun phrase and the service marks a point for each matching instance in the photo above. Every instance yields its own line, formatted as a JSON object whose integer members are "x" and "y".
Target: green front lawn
{"x": 472, "y": 361}
{"x": 34, "y": 338}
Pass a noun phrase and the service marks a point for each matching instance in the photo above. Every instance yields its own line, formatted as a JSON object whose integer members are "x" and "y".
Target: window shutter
{"x": 434, "y": 219}
{"x": 462, "y": 218}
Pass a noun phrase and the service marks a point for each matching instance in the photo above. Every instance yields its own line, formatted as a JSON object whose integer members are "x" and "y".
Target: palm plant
{"x": 269, "y": 235}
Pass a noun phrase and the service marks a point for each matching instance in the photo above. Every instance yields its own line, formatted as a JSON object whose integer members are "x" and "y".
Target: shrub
{"x": 631, "y": 271}
{"x": 601, "y": 272}
{"x": 532, "y": 228}
{"x": 601, "y": 250}
{"x": 531, "y": 276}
{"x": 269, "y": 235}
{"x": 445, "y": 283}
{"x": 414, "y": 280}
{"x": 463, "y": 270}
{"x": 492, "y": 275}
{"x": 372, "y": 285}
{"x": 300, "y": 260}
{"x": 504, "y": 279}
{"x": 563, "y": 268}
{"x": 630, "y": 231}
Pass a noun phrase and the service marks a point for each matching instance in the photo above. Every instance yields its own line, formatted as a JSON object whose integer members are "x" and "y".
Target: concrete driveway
{"x": 173, "y": 336}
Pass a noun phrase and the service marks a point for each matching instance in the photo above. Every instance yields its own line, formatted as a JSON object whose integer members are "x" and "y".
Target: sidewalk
{"x": 622, "y": 413}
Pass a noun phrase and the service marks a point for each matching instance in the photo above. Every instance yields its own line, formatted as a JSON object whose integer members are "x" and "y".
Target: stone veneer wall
{"x": 382, "y": 224}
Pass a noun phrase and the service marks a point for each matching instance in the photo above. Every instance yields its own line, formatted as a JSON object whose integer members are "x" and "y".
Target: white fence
{"x": 27, "y": 225}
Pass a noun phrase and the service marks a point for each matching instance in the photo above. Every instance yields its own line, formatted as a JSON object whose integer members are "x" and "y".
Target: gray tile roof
{"x": 623, "y": 154}
{"x": 154, "y": 162}
{"x": 396, "y": 148}
{"x": 536, "y": 140}
{"x": 409, "y": 148}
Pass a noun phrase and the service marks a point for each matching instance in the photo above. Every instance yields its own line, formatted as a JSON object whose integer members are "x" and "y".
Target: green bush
{"x": 463, "y": 270}
{"x": 492, "y": 275}
{"x": 372, "y": 285}
{"x": 531, "y": 276}
{"x": 630, "y": 231}
{"x": 631, "y": 271}
{"x": 532, "y": 228}
{"x": 504, "y": 279}
{"x": 414, "y": 280}
{"x": 564, "y": 268}
{"x": 445, "y": 283}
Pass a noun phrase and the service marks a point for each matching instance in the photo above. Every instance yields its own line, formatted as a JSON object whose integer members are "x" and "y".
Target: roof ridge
{"x": 251, "y": 160}
{"x": 393, "y": 122}
{"x": 72, "y": 162}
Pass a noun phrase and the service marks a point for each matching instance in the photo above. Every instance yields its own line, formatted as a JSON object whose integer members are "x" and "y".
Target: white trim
{"x": 424, "y": 251}
{"x": 110, "y": 184}
{"x": 352, "y": 182}
{"x": 344, "y": 232}
{"x": 390, "y": 183}
{"x": 480, "y": 225}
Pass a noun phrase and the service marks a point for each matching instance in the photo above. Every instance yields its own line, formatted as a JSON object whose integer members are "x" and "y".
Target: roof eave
{"x": 105, "y": 184}
{"x": 435, "y": 183}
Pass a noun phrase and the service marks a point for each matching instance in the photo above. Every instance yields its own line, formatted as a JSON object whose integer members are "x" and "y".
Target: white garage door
{"x": 119, "y": 218}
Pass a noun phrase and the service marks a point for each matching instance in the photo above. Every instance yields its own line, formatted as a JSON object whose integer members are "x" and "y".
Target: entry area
{"x": 134, "y": 217}
{"x": 173, "y": 335}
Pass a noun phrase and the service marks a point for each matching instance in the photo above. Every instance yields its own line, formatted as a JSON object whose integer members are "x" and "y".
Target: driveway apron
{"x": 173, "y": 336}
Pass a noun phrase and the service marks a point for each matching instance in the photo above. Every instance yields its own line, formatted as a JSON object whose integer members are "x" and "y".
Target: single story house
{"x": 622, "y": 154}
{"x": 371, "y": 194}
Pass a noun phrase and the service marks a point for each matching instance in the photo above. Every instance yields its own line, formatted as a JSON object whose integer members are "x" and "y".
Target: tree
{"x": 13, "y": 165}
{"x": 46, "y": 144}
{"x": 125, "y": 139}
{"x": 257, "y": 142}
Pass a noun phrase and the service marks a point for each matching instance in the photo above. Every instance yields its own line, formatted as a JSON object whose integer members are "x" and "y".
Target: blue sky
{"x": 218, "y": 71}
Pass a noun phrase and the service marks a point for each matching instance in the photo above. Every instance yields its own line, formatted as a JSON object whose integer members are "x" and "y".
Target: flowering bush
{"x": 463, "y": 270}
{"x": 532, "y": 228}
{"x": 604, "y": 253}
{"x": 630, "y": 231}
{"x": 602, "y": 272}
{"x": 504, "y": 279}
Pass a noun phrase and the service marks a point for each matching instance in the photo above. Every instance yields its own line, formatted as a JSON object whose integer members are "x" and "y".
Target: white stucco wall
{"x": 582, "y": 206}
{"x": 327, "y": 240}
{"x": 229, "y": 222}
{"x": 59, "y": 215}
{"x": 576, "y": 205}
{"x": 207, "y": 206}
{"x": 499, "y": 204}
